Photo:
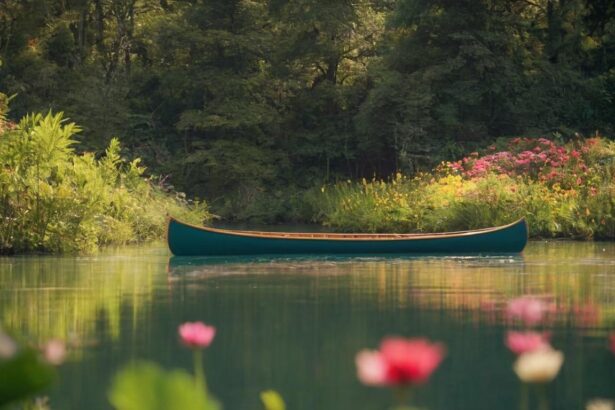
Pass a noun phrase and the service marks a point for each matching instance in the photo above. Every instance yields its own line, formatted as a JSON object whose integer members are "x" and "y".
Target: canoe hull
{"x": 188, "y": 240}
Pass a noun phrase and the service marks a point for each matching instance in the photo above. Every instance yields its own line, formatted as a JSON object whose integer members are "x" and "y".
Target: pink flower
{"x": 528, "y": 309}
{"x": 399, "y": 362}
{"x": 54, "y": 352}
{"x": 524, "y": 342}
{"x": 371, "y": 368}
{"x": 612, "y": 342}
{"x": 196, "y": 334}
{"x": 410, "y": 361}
{"x": 8, "y": 347}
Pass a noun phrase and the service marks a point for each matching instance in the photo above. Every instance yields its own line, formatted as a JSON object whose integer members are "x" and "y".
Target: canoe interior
{"x": 190, "y": 240}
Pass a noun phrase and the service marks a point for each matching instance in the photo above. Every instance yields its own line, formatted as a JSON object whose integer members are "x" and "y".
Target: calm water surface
{"x": 295, "y": 324}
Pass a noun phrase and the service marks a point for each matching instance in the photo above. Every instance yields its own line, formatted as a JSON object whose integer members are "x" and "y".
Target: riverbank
{"x": 563, "y": 190}
{"x": 53, "y": 199}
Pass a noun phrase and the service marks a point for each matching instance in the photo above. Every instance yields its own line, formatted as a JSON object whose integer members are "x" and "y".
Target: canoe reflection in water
{"x": 329, "y": 265}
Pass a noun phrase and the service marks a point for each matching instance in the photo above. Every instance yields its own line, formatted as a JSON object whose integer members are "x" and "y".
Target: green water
{"x": 295, "y": 325}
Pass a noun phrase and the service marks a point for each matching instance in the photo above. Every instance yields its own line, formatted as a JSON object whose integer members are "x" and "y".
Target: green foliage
{"x": 236, "y": 97}
{"x": 145, "y": 386}
{"x": 55, "y": 200}
{"x": 448, "y": 201}
{"x": 23, "y": 375}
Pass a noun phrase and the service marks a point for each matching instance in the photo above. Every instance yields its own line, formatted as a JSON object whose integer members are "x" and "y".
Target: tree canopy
{"x": 238, "y": 100}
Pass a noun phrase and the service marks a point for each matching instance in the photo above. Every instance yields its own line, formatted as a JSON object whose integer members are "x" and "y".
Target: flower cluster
{"x": 537, "y": 361}
{"x": 537, "y": 158}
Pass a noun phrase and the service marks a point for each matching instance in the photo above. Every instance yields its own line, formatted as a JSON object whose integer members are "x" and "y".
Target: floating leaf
{"x": 145, "y": 386}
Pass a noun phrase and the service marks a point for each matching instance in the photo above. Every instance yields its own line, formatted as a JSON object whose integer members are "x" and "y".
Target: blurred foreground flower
{"x": 54, "y": 352}
{"x": 399, "y": 362}
{"x": 539, "y": 366}
{"x": 528, "y": 309}
{"x": 196, "y": 334}
{"x": 8, "y": 347}
{"x": 371, "y": 368}
{"x": 600, "y": 404}
{"x": 524, "y": 342}
{"x": 612, "y": 342}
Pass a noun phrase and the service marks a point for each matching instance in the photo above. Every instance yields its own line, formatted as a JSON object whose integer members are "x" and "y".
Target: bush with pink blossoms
{"x": 571, "y": 165}
{"x": 563, "y": 190}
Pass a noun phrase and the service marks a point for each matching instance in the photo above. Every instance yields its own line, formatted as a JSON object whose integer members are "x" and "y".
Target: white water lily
{"x": 540, "y": 366}
{"x": 600, "y": 404}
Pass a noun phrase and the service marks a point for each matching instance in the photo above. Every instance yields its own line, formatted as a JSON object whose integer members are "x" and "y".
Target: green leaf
{"x": 145, "y": 386}
{"x": 272, "y": 400}
{"x": 23, "y": 375}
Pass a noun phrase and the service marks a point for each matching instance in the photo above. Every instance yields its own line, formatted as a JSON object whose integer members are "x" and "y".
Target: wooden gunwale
{"x": 348, "y": 236}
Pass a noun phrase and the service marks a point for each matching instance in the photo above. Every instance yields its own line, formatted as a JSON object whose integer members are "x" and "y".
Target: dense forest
{"x": 249, "y": 103}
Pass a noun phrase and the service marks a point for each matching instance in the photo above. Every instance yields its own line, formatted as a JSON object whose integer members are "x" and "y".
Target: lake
{"x": 296, "y": 324}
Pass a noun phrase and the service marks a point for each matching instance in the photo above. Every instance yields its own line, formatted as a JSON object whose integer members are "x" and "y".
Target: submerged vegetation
{"x": 564, "y": 190}
{"x": 53, "y": 199}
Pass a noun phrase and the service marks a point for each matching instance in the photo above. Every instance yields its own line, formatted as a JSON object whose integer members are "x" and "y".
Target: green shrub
{"x": 52, "y": 199}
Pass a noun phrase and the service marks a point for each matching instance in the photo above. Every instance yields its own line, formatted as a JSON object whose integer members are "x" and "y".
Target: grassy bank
{"x": 55, "y": 200}
{"x": 564, "y": 190}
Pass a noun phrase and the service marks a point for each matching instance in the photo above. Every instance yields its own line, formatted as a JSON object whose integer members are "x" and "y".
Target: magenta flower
{"x": 525, "y": 342}
{"x": 400, "y": 362}
{"x": 196, "y": 334}
{"x": 528, "y": 309}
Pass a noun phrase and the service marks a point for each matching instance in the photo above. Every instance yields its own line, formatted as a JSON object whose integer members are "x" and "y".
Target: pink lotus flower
{"x": 54, "y": 352}
{"x": 399, "y": 362}
{"x": 612, "y": 342}
{"x": 528, "y": 309}
{"x": 196, "y": 334}
{"x": 524, "y": 342}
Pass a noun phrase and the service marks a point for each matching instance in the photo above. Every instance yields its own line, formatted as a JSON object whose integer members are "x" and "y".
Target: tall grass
{"x": 54, "y": 200}
{"x": 563, "y": 191}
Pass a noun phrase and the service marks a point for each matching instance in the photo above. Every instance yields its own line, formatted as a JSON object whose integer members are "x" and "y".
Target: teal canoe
{"x": 189, "y": 240}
